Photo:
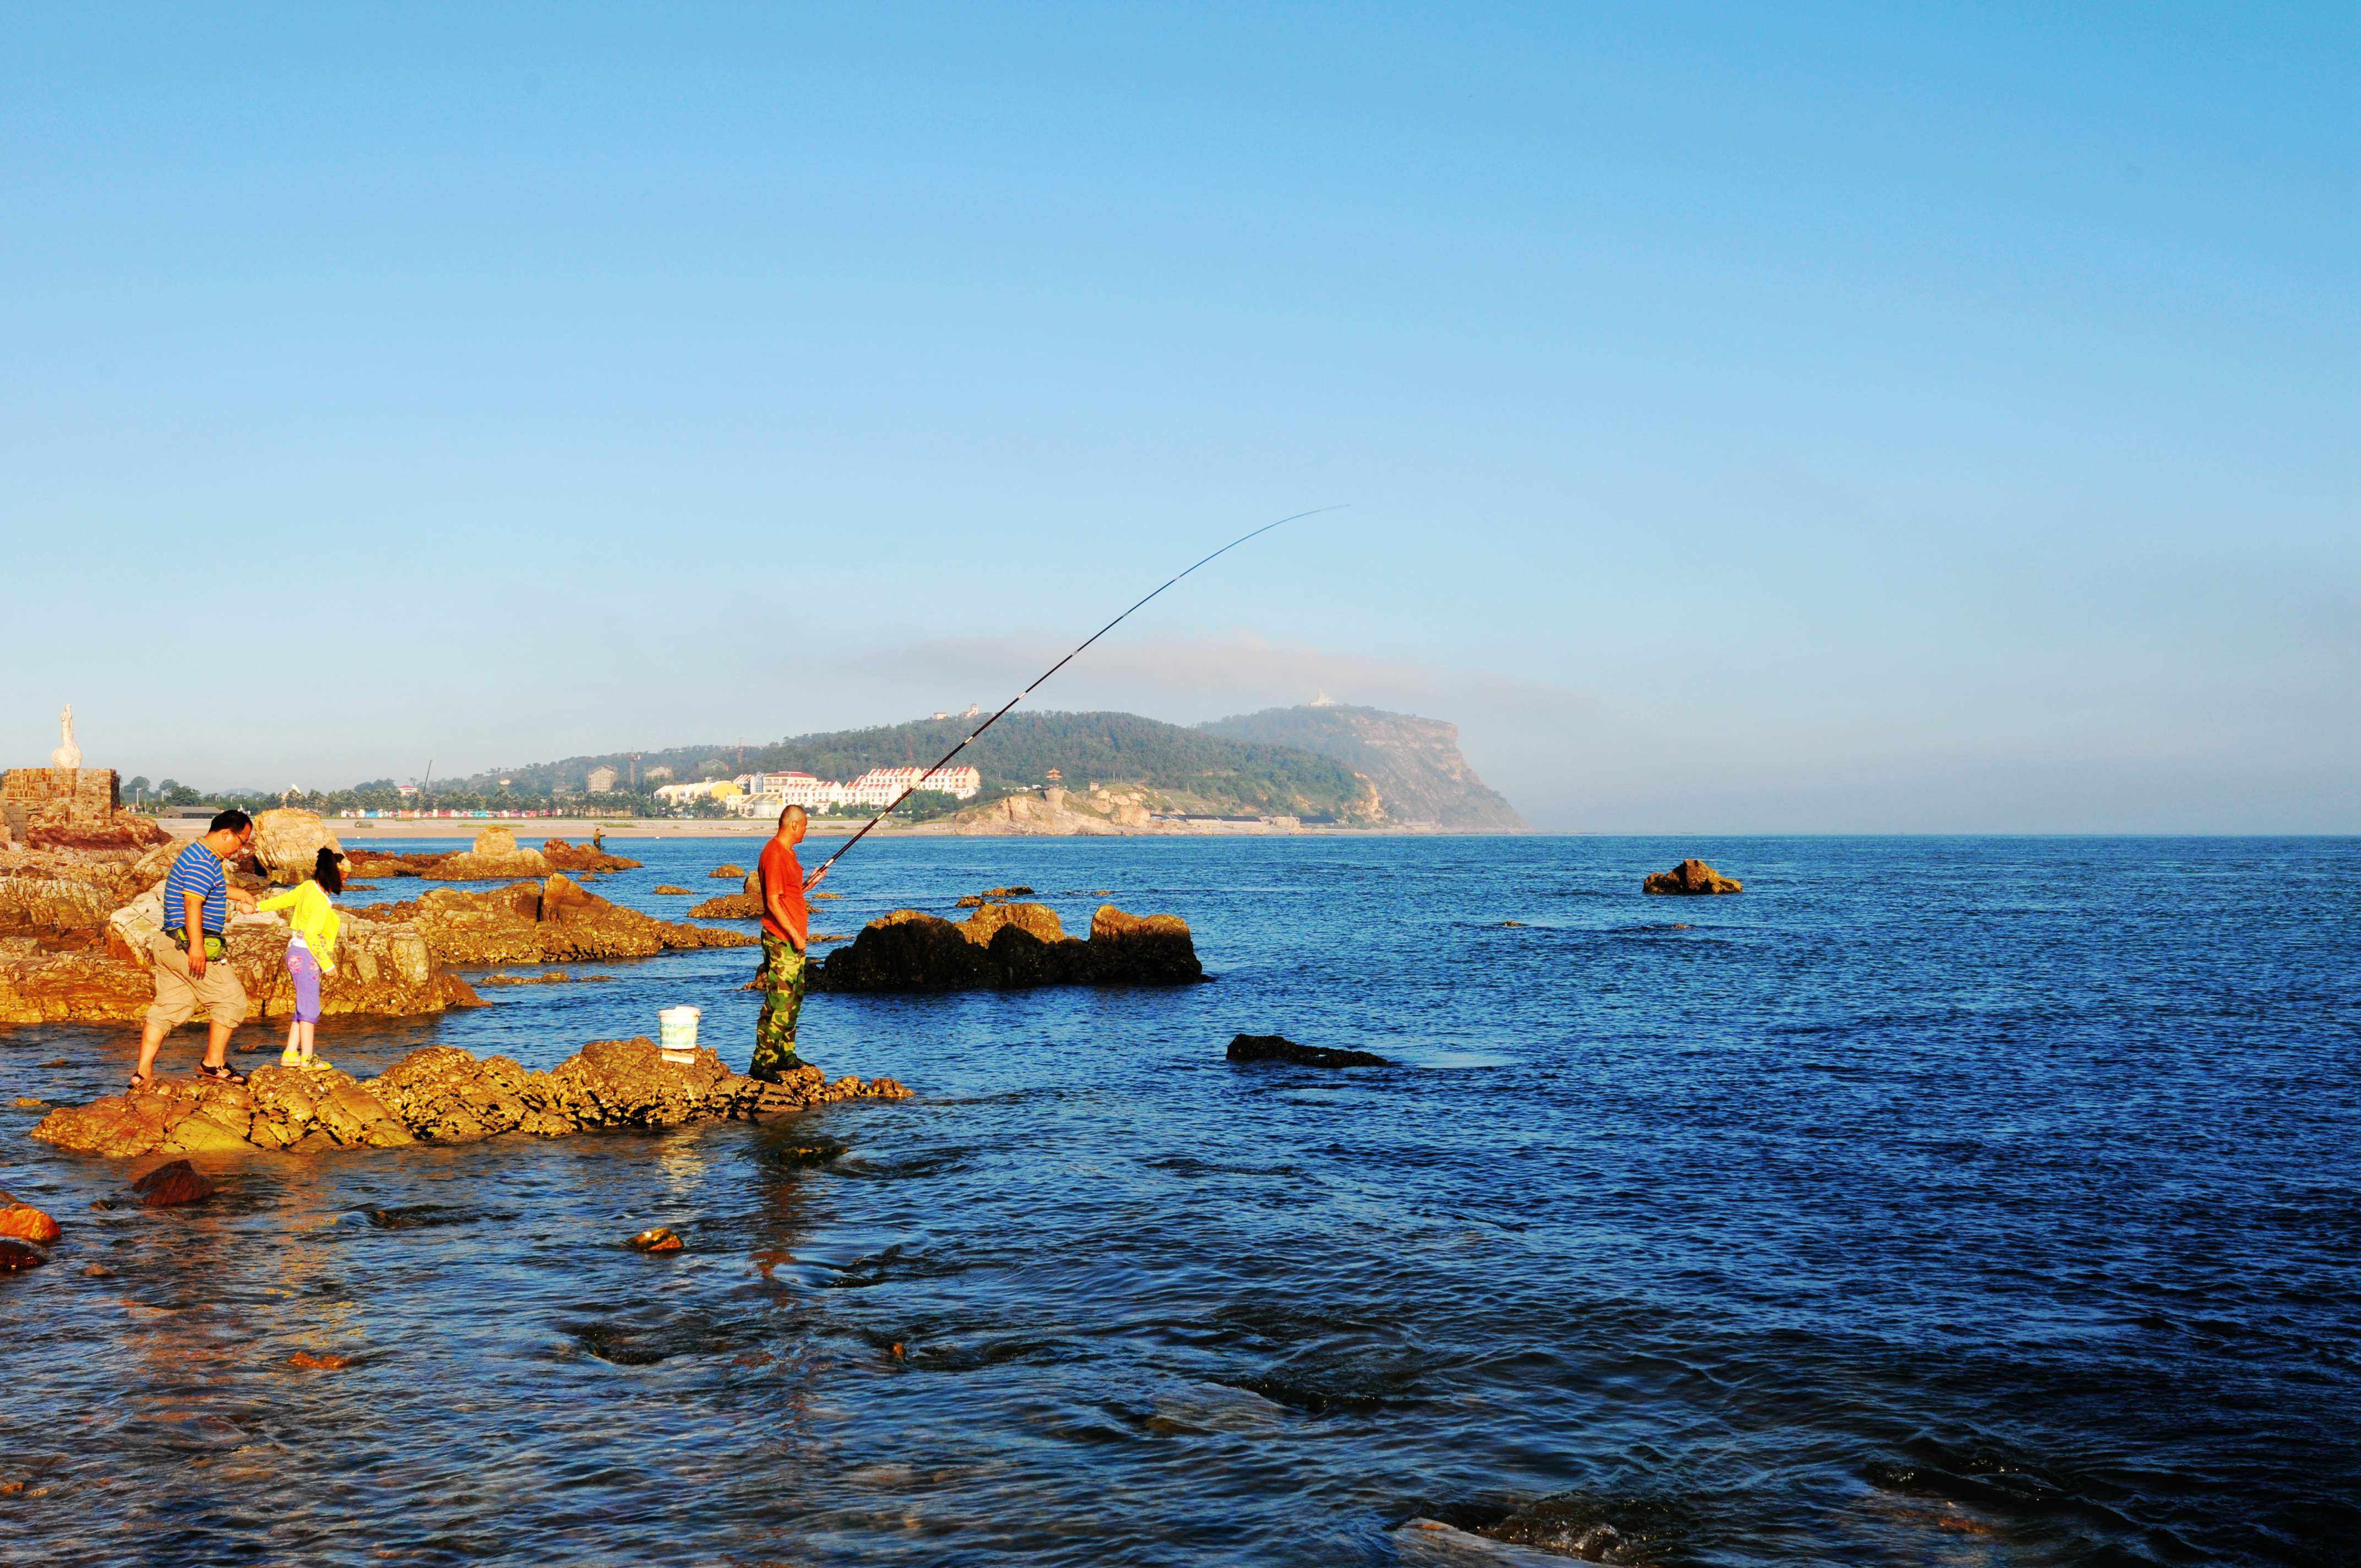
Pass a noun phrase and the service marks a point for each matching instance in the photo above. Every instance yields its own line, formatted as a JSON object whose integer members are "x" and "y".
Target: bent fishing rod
{"x": 813, "y": 881}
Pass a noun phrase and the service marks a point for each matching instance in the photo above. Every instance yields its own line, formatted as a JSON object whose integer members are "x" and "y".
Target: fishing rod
{"x": 813, "y": 880}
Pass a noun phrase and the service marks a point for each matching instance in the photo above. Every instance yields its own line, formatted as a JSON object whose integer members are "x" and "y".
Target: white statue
{"x": 66, "y": 755}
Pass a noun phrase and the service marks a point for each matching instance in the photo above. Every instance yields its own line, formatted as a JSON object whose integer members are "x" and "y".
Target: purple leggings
{"x": 306, "y": 970}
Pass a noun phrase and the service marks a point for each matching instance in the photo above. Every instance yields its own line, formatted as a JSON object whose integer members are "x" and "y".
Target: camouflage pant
{"x": 783, "y": 999}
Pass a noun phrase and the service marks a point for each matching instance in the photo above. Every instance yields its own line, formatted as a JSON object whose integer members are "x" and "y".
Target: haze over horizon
{"x": 1840, "y": 421}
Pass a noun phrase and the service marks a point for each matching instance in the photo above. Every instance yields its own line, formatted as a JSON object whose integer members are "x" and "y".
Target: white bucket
{"x": 678, "y": 1025}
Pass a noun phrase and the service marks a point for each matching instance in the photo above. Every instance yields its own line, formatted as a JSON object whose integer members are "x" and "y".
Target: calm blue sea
{"x": 1962, "y": 1202}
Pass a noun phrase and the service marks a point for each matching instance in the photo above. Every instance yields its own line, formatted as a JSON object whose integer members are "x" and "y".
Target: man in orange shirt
{"x": 786, "y": 932}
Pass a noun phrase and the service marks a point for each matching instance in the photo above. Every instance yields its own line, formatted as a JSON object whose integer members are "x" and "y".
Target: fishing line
{"x": 1044, "y": 675}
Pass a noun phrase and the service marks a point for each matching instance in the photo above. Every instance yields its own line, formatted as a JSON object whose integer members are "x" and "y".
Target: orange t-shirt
{"x": 783, "y": 874}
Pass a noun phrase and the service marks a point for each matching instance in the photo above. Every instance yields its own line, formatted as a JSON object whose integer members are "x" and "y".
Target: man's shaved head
{"x": 792, "y": 814}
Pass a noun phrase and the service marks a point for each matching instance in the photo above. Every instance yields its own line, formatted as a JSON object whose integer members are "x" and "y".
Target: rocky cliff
{"x": 1414, "y": 763}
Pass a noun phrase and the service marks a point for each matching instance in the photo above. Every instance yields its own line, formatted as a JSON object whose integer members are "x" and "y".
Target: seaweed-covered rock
{"x": 1691, "y": 876}
{"x": 1010, "y": 947}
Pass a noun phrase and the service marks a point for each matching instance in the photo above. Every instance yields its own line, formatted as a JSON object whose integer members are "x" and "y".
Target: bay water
{"x": 1948, "y": 1200}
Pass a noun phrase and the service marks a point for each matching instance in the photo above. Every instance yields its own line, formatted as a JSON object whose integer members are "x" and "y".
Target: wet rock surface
{"x": 438, "y": 1094}
{"x": 1010, "y": 947}
{"x": 173, "y": 1186}
{"x": 1245, "y": 1050}
{"x": 554, "y": 921}
{"x": 1691, "y": 876}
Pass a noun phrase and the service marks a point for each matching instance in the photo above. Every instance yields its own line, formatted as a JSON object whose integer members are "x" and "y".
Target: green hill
{"x": 1195, "y": 769}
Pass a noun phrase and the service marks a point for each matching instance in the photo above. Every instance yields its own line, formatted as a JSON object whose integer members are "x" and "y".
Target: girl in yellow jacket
{"x": 311, "y": 950}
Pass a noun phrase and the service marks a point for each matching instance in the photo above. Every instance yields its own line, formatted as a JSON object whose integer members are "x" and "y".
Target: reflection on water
{"x": 1974, "y": 1201}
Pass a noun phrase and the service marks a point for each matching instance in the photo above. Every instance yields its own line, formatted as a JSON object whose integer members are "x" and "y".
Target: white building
{"x": 769, "y": 793}
{"x": 603, "y": 780}
{"x": 881, "y": 786}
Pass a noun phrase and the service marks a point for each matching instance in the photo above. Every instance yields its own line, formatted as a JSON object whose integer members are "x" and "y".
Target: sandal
{"x": 222, "y": 1074}
{"x": 139, "y": 1081}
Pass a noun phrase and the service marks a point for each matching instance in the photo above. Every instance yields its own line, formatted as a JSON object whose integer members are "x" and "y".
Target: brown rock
{"x": 324, "y": 1361}
{"x": 118, "y": 1126}
{"x": 170, "y": 1186}
{"x": 1142, "y": 950}
{"x": 555, "y": 921}
{"x": 1009, "y": 946}
{"x": 671, "y": 891}
{"x": 379, "y": 865}
{"x": 288, "y": 842}
{"x": 15, "y": 1255}
{"x": 563, "y": 856}
{"x": 727, "y": 906}
{"x": 51, "y": 988}
{"x": 1691, "y": 876}
{"x": 27, "y": 1223}
{"x": 660, "y": 1238}
{"x": 727, "y": 871}
{"x": 494, "y": 858}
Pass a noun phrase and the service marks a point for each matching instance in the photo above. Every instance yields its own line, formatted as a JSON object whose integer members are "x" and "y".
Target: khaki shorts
{"x": 178, "y": 997}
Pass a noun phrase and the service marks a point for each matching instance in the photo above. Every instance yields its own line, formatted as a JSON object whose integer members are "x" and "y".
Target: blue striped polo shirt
{"x": 199, "y": 870}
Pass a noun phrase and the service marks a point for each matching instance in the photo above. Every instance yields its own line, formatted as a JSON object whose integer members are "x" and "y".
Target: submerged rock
{"x": 1010, "y": 947}
{"x": 1691, "y": 876}
{"x": 978, "y": 900}
{"x": 438, "y": 1094}
{"x": 554, "y": 921}
{"x": 658, "y": 1238}
{"x": 173, "y": 1186}
{"x": 15, "y": 1255}
{"x": 1247, "y": 1048}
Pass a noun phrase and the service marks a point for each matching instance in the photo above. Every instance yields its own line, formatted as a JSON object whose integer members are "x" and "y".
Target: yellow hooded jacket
{"x": 314, "y": 920}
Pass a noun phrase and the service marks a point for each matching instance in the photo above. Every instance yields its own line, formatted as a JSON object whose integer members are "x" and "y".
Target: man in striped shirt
{"x": 191, "y": 968}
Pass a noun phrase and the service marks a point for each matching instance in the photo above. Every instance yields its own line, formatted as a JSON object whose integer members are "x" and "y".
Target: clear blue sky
{"x": 1764, "y": 417}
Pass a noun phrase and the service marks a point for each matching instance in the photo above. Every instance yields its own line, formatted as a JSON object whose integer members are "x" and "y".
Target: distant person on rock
{"x": 310, "y": 950}
{"x": 191, "y": 968}
{"x": 787, "y": 934}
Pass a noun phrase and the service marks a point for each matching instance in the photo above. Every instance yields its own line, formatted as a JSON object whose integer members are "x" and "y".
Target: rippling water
{"x": 1975, "y": 1202}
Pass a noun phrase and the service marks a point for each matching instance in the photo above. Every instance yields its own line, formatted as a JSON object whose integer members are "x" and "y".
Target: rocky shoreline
{"x": 440, "y": 1094}
{"x": 75, "y": 925}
